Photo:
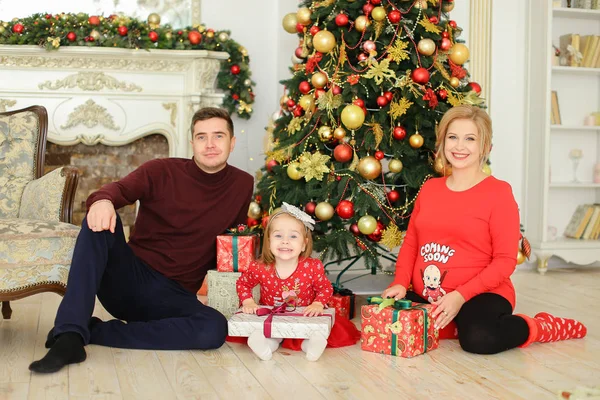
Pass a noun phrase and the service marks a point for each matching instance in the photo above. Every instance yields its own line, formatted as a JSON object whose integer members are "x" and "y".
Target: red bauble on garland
{"x": 71, "y": 36}
{"x": 235, "y": 69}
{"x": 399, "y": 133}
{"x": 310, "y": 207}
{"x": 394, "y": 16}
{"x": 343, "y": 152}
{"x": 367, "y": 8}
{"x": 382, "y": 101}
{"x": 271, "y": 164}
{"x": 354, "y": 229}
{"x": 452, "y": 23}
{"x": 420, "y": 75}
{"x": 194, "y": 37}
{"x": 335, "y": 89}
{"x": 434, "y": 20}
{"x": 393, "y": 196}
{"x": 445, "y": 44}
{"x": 379, "y": 155}
{"x": 442, "y": 94}
{"x": 388, "y": 95}
{"x": 376, "y": 235}
{"x": 18, "y": 28}
{"x": 345, "y": 209}
{"x": 359, "y": 102}
{"x": 319, "y": 93}
{"x": 304, "y": 87}
{"x": 299, "y": 28}
{"x": 122, "y": 30}
{"x": 251, "y": 222}
{"x": 314, "y": 30}
{"x": 94, "y": 20}
{"x": 474, "y": 86}
{"x": 341, "y": 20}
{"x": 153, "y": 36}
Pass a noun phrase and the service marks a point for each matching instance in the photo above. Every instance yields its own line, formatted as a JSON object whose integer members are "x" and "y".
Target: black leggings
{"x": 486, "y": 324}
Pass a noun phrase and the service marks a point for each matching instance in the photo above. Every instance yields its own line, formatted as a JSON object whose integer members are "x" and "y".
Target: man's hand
{"x": 397, "y": 292}
{"x": 102, "y": 216}
{"x": 316, "y": 308}
{"x": 447, "y": 307}
{"x": 249, "y": 306}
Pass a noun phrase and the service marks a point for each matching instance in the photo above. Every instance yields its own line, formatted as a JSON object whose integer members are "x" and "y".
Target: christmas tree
{"x": 354, "y": 139}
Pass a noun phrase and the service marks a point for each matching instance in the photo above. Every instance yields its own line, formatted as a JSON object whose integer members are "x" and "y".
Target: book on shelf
{"x": 569, "y": 46}
{"x": 555, "y": 111}
{"x": 584, "y": 222}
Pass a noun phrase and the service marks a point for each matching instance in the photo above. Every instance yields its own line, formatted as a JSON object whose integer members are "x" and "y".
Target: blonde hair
{"x": 267, "y": 256}
{"x": 482, "y": 121}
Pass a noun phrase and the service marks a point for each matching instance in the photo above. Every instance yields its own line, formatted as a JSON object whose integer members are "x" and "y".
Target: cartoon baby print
{"x": 432, "y": 280}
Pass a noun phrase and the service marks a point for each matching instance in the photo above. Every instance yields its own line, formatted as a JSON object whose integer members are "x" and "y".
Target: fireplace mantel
{"x": 111, "y": 96}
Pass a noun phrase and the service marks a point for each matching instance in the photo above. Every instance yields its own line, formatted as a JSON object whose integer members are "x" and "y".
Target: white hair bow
{"x": 299, "y": 215}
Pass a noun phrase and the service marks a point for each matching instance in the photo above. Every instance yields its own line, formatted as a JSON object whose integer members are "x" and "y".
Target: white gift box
{"x": 283, "y": 326}
{"x": 222, "y": 294}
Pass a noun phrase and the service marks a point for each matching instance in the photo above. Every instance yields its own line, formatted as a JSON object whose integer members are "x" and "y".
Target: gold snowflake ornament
{"x": 314, "y": 165}
{"x": 391, "y": 237}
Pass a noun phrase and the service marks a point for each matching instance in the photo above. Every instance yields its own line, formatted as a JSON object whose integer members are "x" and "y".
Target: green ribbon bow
{"x": 399, "y": 305}
{"x": 234, "y": 248}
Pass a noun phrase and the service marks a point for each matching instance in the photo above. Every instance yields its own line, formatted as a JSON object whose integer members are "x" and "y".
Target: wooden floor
{"x": 233, "y": 372}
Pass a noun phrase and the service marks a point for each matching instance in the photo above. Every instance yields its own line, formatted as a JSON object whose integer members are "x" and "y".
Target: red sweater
{"x": 307, "y": 283}
{"x": 182, "y": 210}
{"x": 466, "y": 241}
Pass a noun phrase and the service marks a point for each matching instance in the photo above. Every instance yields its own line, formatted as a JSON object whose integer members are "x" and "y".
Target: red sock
{"x": 546, "y": 328}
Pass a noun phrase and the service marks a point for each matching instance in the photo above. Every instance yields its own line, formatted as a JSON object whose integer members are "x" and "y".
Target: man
{"x": 151, "y": 282}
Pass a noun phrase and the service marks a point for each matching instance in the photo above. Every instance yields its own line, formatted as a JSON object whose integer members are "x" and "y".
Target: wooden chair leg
{"x": 6, "y": 310}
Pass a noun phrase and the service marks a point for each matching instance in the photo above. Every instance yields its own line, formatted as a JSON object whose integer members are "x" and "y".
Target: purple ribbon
{"x": 279, "y": 310}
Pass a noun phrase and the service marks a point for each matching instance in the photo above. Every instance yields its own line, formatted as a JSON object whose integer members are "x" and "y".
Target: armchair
{"x": 36, "y": 235}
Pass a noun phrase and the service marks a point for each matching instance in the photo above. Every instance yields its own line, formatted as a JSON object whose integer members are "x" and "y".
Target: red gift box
{"x": 236, "y": 252}
{"x": 343, "y": 302}
{"x": 404, "y": 329}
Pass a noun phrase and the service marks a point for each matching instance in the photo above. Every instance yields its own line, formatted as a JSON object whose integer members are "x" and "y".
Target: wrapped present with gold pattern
{"x": 222, "y": 294}
{"x": 399, "y": 328}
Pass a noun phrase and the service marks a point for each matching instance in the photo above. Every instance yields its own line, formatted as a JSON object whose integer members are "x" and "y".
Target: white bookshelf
{"x": 551, "y": 195}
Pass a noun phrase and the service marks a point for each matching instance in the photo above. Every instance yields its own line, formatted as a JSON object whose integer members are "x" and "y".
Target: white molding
{"x": 480, "y": 37}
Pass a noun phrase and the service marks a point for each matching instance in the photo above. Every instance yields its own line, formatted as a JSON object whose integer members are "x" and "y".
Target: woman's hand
{"x": 316, "y": 308}
{"x": 446, "y": 308}
{"x": 249, "y": 306}
{"x": 397, "y": 292}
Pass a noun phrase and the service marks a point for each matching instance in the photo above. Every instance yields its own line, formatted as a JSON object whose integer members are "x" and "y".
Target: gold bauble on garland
{"x": 289, "y": 23}
{"x": 153, "y": 20}
{"x": 307, "y": 102}
{"x": 353, "y": 116}
{"x": 95, "y": 34}
{"x": 361, "y": 23}
{"x": 324, "y": 211}
{"x": 454, "y": 82}
{"x": 325, "y": 133}
{"x": 426, "y": 47}
{"x": 254, "y": 210}
{"x": 319, "y": 80}
{"x": 293, "y": 172}
{"x": 416, "y": 141}
{"x": 459, "y": 54}
{"x": 369, "y": 167}
{"x": 324, "y": 41}
{"x": 367, "y": 224}
{"x": 520, "y": 257}
{"x": 303, "y": 16}
{"x": 339, "y": 133}
{"x": 378, "y": 13}
{"x": 395, "y": 166}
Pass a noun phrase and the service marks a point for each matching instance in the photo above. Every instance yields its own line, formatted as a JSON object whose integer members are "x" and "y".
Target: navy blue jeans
{"x": 159, "y": 313}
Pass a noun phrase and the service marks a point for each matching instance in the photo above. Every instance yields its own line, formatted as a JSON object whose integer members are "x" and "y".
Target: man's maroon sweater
{"x": 182, "y": 210}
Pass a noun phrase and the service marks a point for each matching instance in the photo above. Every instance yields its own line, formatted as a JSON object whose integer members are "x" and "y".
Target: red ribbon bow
{"x": 281, "y": 309}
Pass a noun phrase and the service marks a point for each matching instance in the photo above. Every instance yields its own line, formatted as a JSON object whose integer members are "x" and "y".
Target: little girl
{"x": 285, "y": 271}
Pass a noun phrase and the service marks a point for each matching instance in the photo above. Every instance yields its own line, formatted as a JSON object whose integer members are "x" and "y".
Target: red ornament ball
{"x": 359, "y": 102}
{"x": 362, "y": 57}
{"x": 122, "y": 30}
{"x": 445, "y": 35}
{"x": 235, "y": 69}
{"x": 445, "y": 44}
{"x": 291, "y": 103}
{"x": 310, "y": 207}
{"x": 343, "y": 152}
{"x": 474, "y": 86}
{"x": 298, "y": 112}
{"x": 399, "y": 133}
{"x": 180, "y": 33}
{"x": 194, "y": 37}
{"x": 94, "y": 20}
{"x": 375, "y": 2}
{"x": 48, "y": 16}
{"x": 434, "y": 20}
{"x": 251, "y": 222}
{"x": 382, "y": 101}
{"x": 420, "y": 75}
{"x": 304, "y": 87}
{"x": 354, "y": 229}
{"x": 393, "y": 196}
{"x": 319, "y": 93}
{"x": 341, "y": 20}
{"x": 258, "y": 198}
{"x": 314, "y": 30}
{"x": 71, "y": 36}
{"x": 336, "y": 90}
{"x": 442, "y": 94}
{"x": 18, "y": 28}
{"x": 452, "y": 23}
{"x": 389, "y": 96}
{"x": 379, "y": 155}
{"x": 345, "y": 209}
{"x": 271, "y": 164}
{"x": 376, "y": 235}
{"x": 235, "y": 96}
{"x": 394, "y": 16}
{"x": 299, "y": 53}
{"x": 153, "y": 36}
{"x": 299, "y": 28}
{"x": 367, "y": 8}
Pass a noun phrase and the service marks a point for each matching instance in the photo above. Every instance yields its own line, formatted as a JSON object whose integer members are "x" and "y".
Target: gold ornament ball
{"x": 454, "y": 82}
{"x": 361, "y": 23}
{"x": 339, "y": 133}
{"x": 520, "y": 257}
{"x": 324, "y": 41}
{"x": 254, "y": 210}
{"x": 422, "y": 4}
{"x": 486, "y": 170}
{"x": 416, "y": 141}
{"x": 319, "y": 80}
{"x": 289, "y": 23}
{"x": 325, "y": 133}
{"x": 447, "y": 7}
{"x": 2, "y": 29}
{"x": 369, "y": 167}
{"x": 303, "y": 16}
{"x": 353, "y": 116}
{"x": 395, "y": 166}
{"x": 367, "y": 224}
{"x": 324, "y": 211}
{"x": 154, "y": 20}
{"x": 223, "y": 37}
{"x": 459, "y": 53}
{"x": 293, "y": 171}
{"x": 283, "y": 101}
{"x": 169, "y": 35}
{"x": 378, "y": 13}
{"x": 95, "y": 34}
{"x": 426, "y": 47}
{"x": 438, "y": 166}
{"x": 244, "y": 51}
{"x": 307, "y": 102}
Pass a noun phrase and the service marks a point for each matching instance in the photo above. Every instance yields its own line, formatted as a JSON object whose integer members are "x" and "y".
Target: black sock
{"x": 50, "y": 340}
{"x": 67, "y": 349}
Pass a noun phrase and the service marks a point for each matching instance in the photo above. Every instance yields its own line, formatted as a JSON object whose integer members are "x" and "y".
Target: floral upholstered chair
{"x": 36, "y": 236}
